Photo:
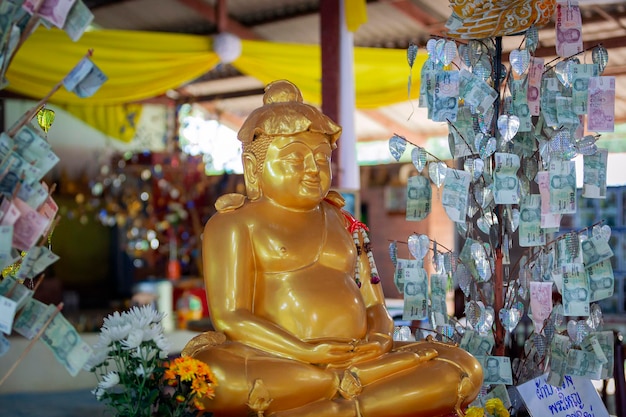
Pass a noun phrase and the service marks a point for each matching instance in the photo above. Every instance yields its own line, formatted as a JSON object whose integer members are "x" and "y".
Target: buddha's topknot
{"x": 281, "y": 92}
{"x": 284, "y": 113}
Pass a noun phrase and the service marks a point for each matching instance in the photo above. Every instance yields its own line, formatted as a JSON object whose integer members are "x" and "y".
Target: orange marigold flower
{"x": 169, "y": 374}
{"x": 181, "y": 398}
{"x": 198, "y": 404}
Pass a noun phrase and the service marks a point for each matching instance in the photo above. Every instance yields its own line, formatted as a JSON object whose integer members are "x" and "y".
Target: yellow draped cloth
{"x": 144, "y": 65}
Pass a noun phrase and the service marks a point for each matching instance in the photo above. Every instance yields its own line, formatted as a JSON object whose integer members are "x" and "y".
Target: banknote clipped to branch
{"x": 514, "y": 129}
{"x": 28, "y": 212}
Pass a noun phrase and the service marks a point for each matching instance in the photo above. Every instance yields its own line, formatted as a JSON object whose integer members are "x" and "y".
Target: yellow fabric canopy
{"x": 144, "y": 65}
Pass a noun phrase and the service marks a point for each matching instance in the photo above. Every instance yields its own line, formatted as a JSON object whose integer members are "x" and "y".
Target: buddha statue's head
{"x": 283, "y": 115}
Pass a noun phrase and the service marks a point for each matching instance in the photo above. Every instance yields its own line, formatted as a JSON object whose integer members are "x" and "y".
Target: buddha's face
{"x": 296, "y": 172}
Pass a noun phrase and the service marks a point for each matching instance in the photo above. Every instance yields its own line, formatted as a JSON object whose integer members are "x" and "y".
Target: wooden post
{"x": 331, "y": 88}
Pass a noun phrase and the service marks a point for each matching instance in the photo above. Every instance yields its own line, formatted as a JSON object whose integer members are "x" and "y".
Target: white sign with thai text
{"x": 575, "y": 397}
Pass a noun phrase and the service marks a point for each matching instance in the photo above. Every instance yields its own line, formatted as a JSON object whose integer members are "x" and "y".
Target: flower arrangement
{"x": 192, "y": 380}
{"x": 135, "y": 376}
{"x": 493, "y": 408}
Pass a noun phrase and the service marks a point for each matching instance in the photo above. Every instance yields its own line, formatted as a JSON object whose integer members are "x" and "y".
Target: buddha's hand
{"x": 330, "y": 352}
{"x": 365, "y": 350}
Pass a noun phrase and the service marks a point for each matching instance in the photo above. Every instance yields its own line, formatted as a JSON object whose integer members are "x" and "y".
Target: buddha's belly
{"x": 314, "y": 303}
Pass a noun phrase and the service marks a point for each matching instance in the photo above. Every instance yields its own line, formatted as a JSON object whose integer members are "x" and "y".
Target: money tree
{"x": 515, "y": 124}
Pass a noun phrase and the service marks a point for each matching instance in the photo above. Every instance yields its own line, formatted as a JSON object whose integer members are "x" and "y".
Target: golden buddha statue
{"x": 296, "y": 333}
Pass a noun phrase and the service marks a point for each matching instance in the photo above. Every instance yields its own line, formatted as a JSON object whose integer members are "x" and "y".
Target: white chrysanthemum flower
{"x": 134, "y": 339}
{"x": 145, "y": 353}
{"x": 140, "y": 371}
{"x": 98, "y": 392}
{"x": 115, "y": 319}
{"x": 152, "y": 332}
{"x": 109, "y": 380}
{"x": 163, "y": 344}
{"x": 117, "y": 333}
{"x": 144, "y": 315}
{"x": 104, "y": 339}
{"x": 98, "y": 356}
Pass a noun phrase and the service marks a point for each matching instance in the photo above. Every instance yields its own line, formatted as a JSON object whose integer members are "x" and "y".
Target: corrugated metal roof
{"x": 391, "y": 23}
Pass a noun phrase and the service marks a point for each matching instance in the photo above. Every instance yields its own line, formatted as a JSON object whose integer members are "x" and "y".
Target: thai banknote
{"x": 583, "y": 363}
{"x": 580, "y": 85}
{"x": 9, "y": 212}
{"x": 565, "y": 115}
{"x": 35, "y": 262}
{"x": 549, "y": 92}
{"x": 591, "y": 344}
{"x": 461, "y": 136}
{"x": 6, "y": 239}
{"x": 32, "y": 318}
{"x": 33, "y": 194}
{"x": 29, "y": 226}
{"x": 9, "y": 34}
{"x": 568, "y": 250}
{"x": 476, "y": 92}
{"x": 535, "y": 72}
{"x": 575, "y": 290}
{"x": 559, "y": 348}
{"x": 35, "y": 150}
{"x": 11, "y": 288}
{"x": 601, "y": 104}
{"x": 427, "y": 85}
{"x": 477, "y": 344}
{"x": 5, "y": 345}
{"x": 497, "y": 370}
{"x": 84, "y": 79}
{"x": 506, "y": 186}
{"x": 540, "y": 303}
{"x": 27, "y": 139}
{"x": 549, "y": 220}
{"x": 54, "y": 11}
{"x": 530, "y": 231}
{"x": 49, "y": 209}
{"x": 568, "y": 29}
{"x": 401, "y": 266}
{"x": 445, "y": 99}
{"x": 606, "y": 340}
{"x": 595, "y": 249}
{"x": 8, "y": 11}
{"x": 594, "y": 174}
{"x": 546, "y": 261}
{"x": 499, "y": 391}
{"x": 419, "y": 198}
{"x": 415, "y": 294}
{"x": 601, "y": 280}
{"x": 520, "y": 104}
{"x": 466, "y": 258}
{"x": 66, "y": 344}
{"x": 8, "y": 308}
{"x": 454, "y": 196}
{"x": 562, "y": 186}
{"x": 7, "y": 51}
{"x": 15, "y": 170}
{"x": 78, "y": 20}
{"x": 438, "y": 305}
{"x": 6, "y": 145}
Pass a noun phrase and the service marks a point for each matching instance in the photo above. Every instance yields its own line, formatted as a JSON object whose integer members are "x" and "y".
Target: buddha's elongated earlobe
{"x": 251, "y": 176}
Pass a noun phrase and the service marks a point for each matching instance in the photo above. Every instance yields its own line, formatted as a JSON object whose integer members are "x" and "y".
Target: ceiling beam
{"x": 430, "y": 24}
{"x": 394, "y": 127}
{"x": 210, "y": 14}
{"x": 221, "y": 96}
{"x": 226, "y": 118}
{"x": 417, "y": 14}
